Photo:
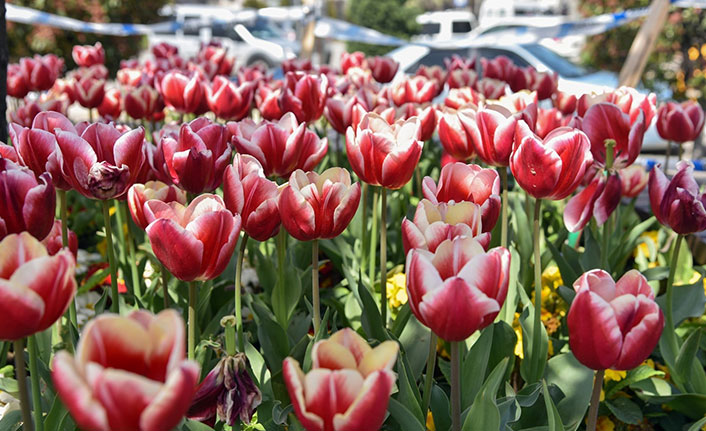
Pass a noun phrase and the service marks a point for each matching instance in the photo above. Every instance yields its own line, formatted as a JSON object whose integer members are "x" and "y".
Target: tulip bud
{"x": 304, "y": 95}
{"x": 87, "y": 55}
{"x": 634, "y": 179}
{"x": 139, "y": 194}
{"x": 680, "y": 122}
{"x": 678, "y": 203}
{"x": 227, "y": 391}
{"x": 383, "y": 69}
{"x": 29, "y": 202}
{"x": 54, "y": 242}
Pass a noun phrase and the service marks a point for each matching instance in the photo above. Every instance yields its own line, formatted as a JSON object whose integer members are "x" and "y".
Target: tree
{"x": 392, "y": 17}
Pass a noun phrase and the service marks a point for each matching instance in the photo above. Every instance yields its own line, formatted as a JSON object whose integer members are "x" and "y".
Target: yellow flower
{"x": 703, "y": 50}
{"x": 605, "y": 424}
{"x": 693, "y": 53}
{"x": 642, "y": 246}
{"x": 551, "y": 277}
{"x": 430, "y": 422}
{"x": 396, "y": 291}
{"x": 518, "y": 331}
{"x": 614, "y": 375}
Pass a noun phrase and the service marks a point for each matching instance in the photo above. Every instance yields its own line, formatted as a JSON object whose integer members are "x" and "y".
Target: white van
{"x": 445, "y": 25}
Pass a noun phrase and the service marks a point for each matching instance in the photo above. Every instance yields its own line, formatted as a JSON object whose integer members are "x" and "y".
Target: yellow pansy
{"x": 430, "y": 422}
{"x": 614, "y": 375}
{"x": 642, "y": 247}
{"x": 396, "y": 291}
{"x": 605, "y": 424}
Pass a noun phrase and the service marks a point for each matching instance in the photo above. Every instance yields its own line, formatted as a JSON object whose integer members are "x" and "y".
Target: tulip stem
{"x": 238, "y": 293}
{"x": 536, "y": 338}
{"x": 669, "y": 327}
{"x": 21, "y": 373}
{"x": 165, "y": 286}
{"x": 429, "y": 378}
{"x": 666, "y": 158}
{"x": 90, "y": 115}
{"x": 115, "y": 303}
{"x": 383, "y": 255}
{"x": 364, "y": 227}
{"x": 595, "y": 401}
{"x": 63, "y": 213}
{"x": 280, "y": 307}
{"x": 192, "y": 320}
{"x": 681, "y": 151}
{"x": 136, "y": 287}
{"x": 315, "y": 285}
{"x": 455, "y": 387}
{"x": 503, "y": 221}
{"x": 34, "y": 379}
{"x": 373, "y": 241}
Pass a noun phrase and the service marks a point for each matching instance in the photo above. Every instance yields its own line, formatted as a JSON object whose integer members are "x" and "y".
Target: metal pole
{"x": 4, "y": 56}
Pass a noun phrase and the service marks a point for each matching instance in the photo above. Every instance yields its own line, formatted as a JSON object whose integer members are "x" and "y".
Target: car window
{"x": 431, "y": 28}
{"x": 226, "y": 30}
{"x": 491, "y": 53}
{"x": 435, "y": 57}
{"x": 264, "y": 29}
{"x": 555, "y": 62}
{"x": 460, "y": 27}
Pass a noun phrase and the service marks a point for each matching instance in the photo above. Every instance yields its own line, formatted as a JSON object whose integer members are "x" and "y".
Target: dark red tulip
{"x": 40, "y": 72}
{"x": 598, "y": 199}
{"x": 111, "y": 106}
{"x": 229, "y": 101}
{"x": 267, "y": 100}
{"x": 281, "y": 147}
{"x": 459, "y": 182}
{"x": 383, "y": 69}
{"x": 551, "y": 168}
{"x": 198, "y": 156}
{"x": 297, "y": 65}
{"x": 605, "y": 121}
{"x": 54, "y": 243}
{"x": 255, "y": 73}
{"x": 343, "y": 112}
{"x": 218, "y": 57}
{"x": 613, "y": 325}
{"x": 89, "y": 91}
{"x": 680, "y": 122}
{"x": 164, "y": 50}
{"x": 500, "y": 68}
{"x": 29, "y": 202}
{"x": 102, "y": 163}
{"x": 17, "y": 81}
{"x": 304, "y": 95}
{"x": 384, "y": 154}
{"x": 88, "y": 55}
{"x": 565, "y": 102}
{"x": 678, "y": 203}
{"x": 182, "y": 93}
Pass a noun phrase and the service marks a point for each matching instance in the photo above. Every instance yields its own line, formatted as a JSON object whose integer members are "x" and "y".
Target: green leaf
{"x": 404, "y": 417}
{"x": 272, "y": 337}
{"x": 192, "y": 425}
{"x": 576, "y": 382}
{"x": 689, "y": 301}
{"x": 567, "y": 269}
{"x": 636, "y": 375}
{"x": 484, "y": 414}
{"x": 406, "y": 394}
{"x": 11, "y": 421}
{"x": 686, "y": 356}
{"x": 400, "y": 322}
{"x": 625, "y": 410}
{"x": 474, "y": 366}
{"x": 553, "y": 417}
{"x": 507, "y": 313}
{"x": 440, "y": 408}
{"x": 56, "y": 415}
{"x": 698, "y": 425}
{"x": 415, "y": 341}
{"x": 371, "y": 319}
{"x": 532, "y": 367}
{"x": 8, "y": 384}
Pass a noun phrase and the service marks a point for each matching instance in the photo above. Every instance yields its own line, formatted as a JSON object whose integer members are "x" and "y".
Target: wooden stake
{"x": 308, "y": 37}
{"x": 644, "y": 43}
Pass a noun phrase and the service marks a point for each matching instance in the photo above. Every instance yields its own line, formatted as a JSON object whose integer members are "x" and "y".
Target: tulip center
{"x": 106, "y": 181}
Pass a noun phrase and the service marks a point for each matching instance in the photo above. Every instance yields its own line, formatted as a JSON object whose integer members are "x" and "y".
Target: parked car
{"x": 573, "y": 78}
{"x": 445, "y": 25}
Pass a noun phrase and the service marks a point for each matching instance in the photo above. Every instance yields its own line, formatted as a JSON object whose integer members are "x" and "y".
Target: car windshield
{"x": 556, "y": 62}
{"x": 264, "y": 29}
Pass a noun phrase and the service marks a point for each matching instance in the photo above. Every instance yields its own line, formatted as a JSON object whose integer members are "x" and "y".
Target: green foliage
{"x": 391, "y": 17}
{"x": 679, "y": 58}
{"x": 26, "y": 40}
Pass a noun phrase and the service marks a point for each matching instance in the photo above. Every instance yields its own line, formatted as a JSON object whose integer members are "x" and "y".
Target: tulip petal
{"x": 422, "y": 277}
{"x": 594, "y": 335}
{"x": 178, "y": 249}
{"x": 171, "y": 402}
{"x": 367, "y": 412}
{"x": 17, "y": 249}
{"x": 19, "y": 304}
{"x": 353, "y": 342}
{"x": 382, "y": 357}
{"x": 85, "y": 409}
{"x": 579, "y": 209}
{"x": 633, "y": 283}
{"x": 332, "y": 356}
{"x": 642, "y": 338}
{"x": 294, "y": 379}
{"x": 535, "y": 167}
{"x": 608, "y": 200}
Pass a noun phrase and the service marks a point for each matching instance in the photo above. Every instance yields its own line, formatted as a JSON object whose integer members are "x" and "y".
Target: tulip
{"x": 198, "y": 156}
{"x": 492, "y": 133}
{"x": 600, "y": 198}
{"x": 544, "y": 83}
{"x": 297, "y": 65}
{"x": 29, "y": 201}
{"x": 461, "y": 78}
{"x": 384, "y": 154}
{"x": 632, "y": 102}
{"x": 129, "y": 373}
{"x": 37, "y": 288}
{"x": 111, "y": 106}
{"x": 54, "y": 242}
{"x": 565, "y": 102}
{"x": 193, "y": 242}
{"x": 455, "y": 138}
{"x": 604, "y": 121}
{"x": 433, "y": 73}
{"x": 246, "y": 191}
{"x": 139, "y": 194}
{"x": 87, "y": 55}
{"x": 17, "y": 85}
{"x": 39, "y": 73}
{"x": 227, "y": 391}
{"x": 435, "y": 223}
{"x": 101, "y": 163}
{"x": 551, "y": 168}
{"x": 304, "y": 95}
{"x": 427, "y": 118}
{"x": 266, "y": 100}
{"x": 348, "y": 387}
{"x": 182, "y": 93}
{"x": 164, "y": 50}
{"x": 281, "y": 147}
{"x": 459, "y": 288}
{"x": 613, "y": 325}
{"x": 418, "y": 89}
{"x": 678, "y": 203}
{"x": 460, "y": 182}
{"x": 141, "y": 102}
{"x": 456, "y": 62}
{"x": 634, "y": 179}
{"x": 131, "y": 77}
{"x": 463, "y": 97}
{"x": 680, "y": 122}
{"x": 8, "y": 152}
{"x": 547, "y": 121}
{"x": 384, "y": 69}
{"x": 218, "y": 57}
{"x": 351, "y": 60}
{"x": 89, "y": 91}
{"x": 318, "y": 206}
{"x": 342, "y": 112}
{"x": 500, "y": 67}
{"x": 256, "y": 73}
{"x": 229, "y": 101}
{"x": 491, "y": 88}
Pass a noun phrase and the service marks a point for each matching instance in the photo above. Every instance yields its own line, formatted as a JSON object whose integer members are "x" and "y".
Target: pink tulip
{"x": 418, "y": 89}
{"x": 547, "y": 121}
{"x": 194, "y": 242}
{"x": 36, "y": 288}
{"x": 28, "y": 201}
{"x": 500, "y": 67}
{"x": 139, "y": 194}
{"x": 613, "y": 325}
{"x": 634, "y": 179}
{"x": 491, "y": 88}
{"x": 281, "y": 147}
{"x": 198, "y": 156}
{"x": 218, "y": 57}
{"x": 304, "y": 95}
{"x": 454, "y": 136}
{"x": 246, "y": 191}
{"x": 256, "y": 73}
{"x": 182, "y": 93}
{"x": 460, "y": 78}
{"x": 551, "y": 168}
{"x": 17, "y": 81}
{"x": 599, "y": 199}
{"x": 131, "y": 77}
{"x": 229, "y": 101}
{"x": 141, "y": 102}
{"x": 111, "y": 106}
{"x": 343, "y": 112}
{"x": 433, "y": 73}
{"x": 87, "y": 55}
{"x": 456, "y": 62}
{"x": 350, "y": 60}
{"x": 40, "y": 72}
{"x": 463, "y": 98}
{"x": 492, "y": 132}
{"x": 54, "y": 242}
{"x": 460, "y": 182}
{"x": 434, "y": 223}
{"x": 565, "y": 102}
{"x": 384, "y": 69}
{"x": 348, "y": 387}
{"x": 678, "y": 203}
{"x": 89, "y": 91}
{"x": 101, "y": 163}
{"x": 680, "y": 122}
{"x": 317, "y": 206}
{"x": 129, "y": 373}
{"x": 605, "y": 121}
{"x": 459, "y": 288}
{"x": 267, "y": 100}
{"x": 384, "y": 154}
